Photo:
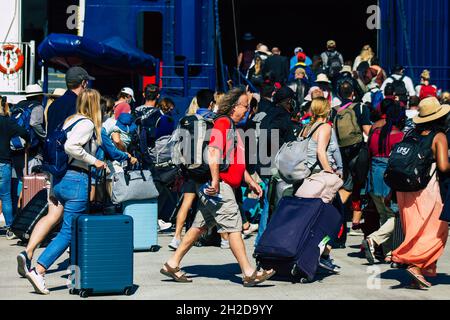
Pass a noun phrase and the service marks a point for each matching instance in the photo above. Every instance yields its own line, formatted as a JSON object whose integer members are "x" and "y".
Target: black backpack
{"x": 400, "y": 88}
{"x": 409, "y": 166}
{"x": 334, "y": 64}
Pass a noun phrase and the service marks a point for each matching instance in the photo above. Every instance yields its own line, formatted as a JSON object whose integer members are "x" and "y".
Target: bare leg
{"x": 238, "y": 248}
{"x": 186, "y": 244}
{"x": 92, "y": 195}
{"x": 188, "y": 200}
{"x": 225, "y": 236}
{"x": 43, "y": 227}
{"x": 345, "y": 195}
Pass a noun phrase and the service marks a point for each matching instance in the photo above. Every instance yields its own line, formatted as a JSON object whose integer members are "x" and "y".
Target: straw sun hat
{"x": 430, "y": 109}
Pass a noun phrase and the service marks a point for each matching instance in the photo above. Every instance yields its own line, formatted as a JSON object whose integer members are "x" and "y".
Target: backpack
{"x": 191, "y": 140}
{"x": 334, "y": 64}
{"x": 427, "y": 91}
{"x": 56, "y": 160}
{"x": 346, "y": 124}
{"x": 21, "y": 114}
{"x": 410, "y": 162}
{"x": 291, "y": 159}
{"x": 376, "y": 97}
{"x": 154, "y": 149}
{"x": 400, "y": 88}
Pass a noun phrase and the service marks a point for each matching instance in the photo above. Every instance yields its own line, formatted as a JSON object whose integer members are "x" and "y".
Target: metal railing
{"x": 173, "y": 81}
{"x": 25, "y": 76}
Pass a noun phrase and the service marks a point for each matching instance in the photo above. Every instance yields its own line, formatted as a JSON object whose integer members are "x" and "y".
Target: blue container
{"x": 145, "y": 217}
{"x": 102, "y": 254}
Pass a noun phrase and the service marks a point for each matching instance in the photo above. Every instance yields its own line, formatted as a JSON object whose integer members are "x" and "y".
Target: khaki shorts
{"x": 226, "y": 215}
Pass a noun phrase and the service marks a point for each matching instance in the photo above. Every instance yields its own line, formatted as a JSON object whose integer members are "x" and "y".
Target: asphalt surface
{"x": 217, "y": 276}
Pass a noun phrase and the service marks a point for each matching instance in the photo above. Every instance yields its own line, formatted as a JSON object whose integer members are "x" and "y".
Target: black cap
{"x": 76, "y": 75}
{"x": 282, "y": 94}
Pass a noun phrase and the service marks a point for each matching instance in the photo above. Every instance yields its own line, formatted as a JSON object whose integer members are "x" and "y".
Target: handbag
{"x": 131, "y": 185}
{"x": 323, "y": 185}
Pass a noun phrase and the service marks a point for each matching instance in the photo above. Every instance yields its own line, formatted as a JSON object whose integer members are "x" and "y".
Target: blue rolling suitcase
{"x": 291, "y": 243}
{"x": 101, "y": 255}
{"x": 145, "y": 217}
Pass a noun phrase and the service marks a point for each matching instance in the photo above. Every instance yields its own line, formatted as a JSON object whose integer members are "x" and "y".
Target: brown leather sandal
{"x": 171, "y": 273}
{"x": 255, "y": 279}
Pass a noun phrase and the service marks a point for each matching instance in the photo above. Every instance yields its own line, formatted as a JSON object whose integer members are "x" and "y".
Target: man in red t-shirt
{"x": 225, "y": 144}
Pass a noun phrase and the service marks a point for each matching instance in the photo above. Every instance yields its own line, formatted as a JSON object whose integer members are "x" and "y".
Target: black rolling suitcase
{"x": 398, "y": 237}
{"x": 27, "y": 218}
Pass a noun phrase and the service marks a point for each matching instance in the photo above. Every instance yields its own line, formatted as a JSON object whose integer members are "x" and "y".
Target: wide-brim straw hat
{"x": 430, "y": 109}
{"x": 322, "y": 78}
{"x": 58, "y": 92}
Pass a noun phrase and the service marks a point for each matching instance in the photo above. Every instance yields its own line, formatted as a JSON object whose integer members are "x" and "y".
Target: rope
{"x": 235, "y": 30}
{"x": 401, "y": 9}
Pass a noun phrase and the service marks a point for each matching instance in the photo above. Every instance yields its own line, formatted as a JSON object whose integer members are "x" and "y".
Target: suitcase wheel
{"x": 84, "y": 294}
{"x": 72, "y": 291}
{"x": 304, "y": 280}
{"x": 128, "y": 291}
{"x": 154, "y": 248}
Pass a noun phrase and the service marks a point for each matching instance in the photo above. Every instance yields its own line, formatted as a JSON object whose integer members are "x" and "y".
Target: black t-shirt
{"x": 9, "y": 129}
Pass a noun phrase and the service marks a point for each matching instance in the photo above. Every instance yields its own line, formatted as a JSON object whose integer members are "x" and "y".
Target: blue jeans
{"x": 5, "y": 193}
{"x": 72, "y": 192}
{"x": 264, "y": 212}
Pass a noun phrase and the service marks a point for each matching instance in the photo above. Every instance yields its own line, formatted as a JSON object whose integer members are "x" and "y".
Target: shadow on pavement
{"x": 221, "y": 272}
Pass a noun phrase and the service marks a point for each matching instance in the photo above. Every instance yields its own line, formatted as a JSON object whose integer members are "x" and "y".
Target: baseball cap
{"x": 76, "y": 75}
{"x": 128, "y": 91}
{"x": 282, "y": 94}
{"x": 331, "y": 43}
{"x": 297, "y": 50}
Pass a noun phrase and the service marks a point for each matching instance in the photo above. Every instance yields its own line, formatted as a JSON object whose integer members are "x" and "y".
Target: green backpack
{"x": 346, "y": 125}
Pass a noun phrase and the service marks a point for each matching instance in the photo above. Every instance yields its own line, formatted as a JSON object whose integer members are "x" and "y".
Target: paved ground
{"x": 217, "y": 276}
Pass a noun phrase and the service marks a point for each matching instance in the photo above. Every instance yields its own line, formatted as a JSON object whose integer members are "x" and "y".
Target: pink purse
{"x": 323, "y": 185}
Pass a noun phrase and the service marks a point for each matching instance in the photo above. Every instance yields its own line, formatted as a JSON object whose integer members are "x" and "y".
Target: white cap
{"x": 128, "y": 91}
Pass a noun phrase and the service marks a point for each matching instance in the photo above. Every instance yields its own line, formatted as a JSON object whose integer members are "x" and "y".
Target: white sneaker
{"x": 224, "y": 244}
{"x": 164, "y": 225}
{"x": 174, "y": 244}
{"x": 38, "y": 282}
{"x": 251, "y": 229}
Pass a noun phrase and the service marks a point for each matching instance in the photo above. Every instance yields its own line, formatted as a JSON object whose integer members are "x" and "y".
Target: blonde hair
{"x": 445, "y": 98}
{"x": 4, "y": 110}
{"x": 193, "y": 107}
{"x": 88, "y": 105}
{"x": 218, "y": 96}
{"x": 320, "y": 108}
{"x": 425, "y": 74}
{"x": 366, "y": 53}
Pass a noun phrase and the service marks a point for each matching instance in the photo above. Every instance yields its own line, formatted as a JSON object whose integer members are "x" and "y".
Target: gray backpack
{"x": 291, "y": 159}
{"x": 161, "y": 153}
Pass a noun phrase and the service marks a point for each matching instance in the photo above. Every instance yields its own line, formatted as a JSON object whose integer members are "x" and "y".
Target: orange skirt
{"x": 425, "y": 234}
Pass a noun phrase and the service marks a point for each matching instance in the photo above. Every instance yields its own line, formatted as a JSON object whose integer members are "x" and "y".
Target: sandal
{"x": 171, "y": 273}
{"x": 254, "y": 279}
{"x": 420, "y": 279}
{"x": 415, "y": 286}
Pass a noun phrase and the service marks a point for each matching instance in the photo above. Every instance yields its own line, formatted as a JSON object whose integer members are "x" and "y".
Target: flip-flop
{"x": 420, "y": 279}
{"x": 171, "y": 273}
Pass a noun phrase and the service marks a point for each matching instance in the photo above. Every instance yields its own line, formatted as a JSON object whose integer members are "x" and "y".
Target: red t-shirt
{"x": 223, "y": 141}
{"x": 392, "y": 139}
{"x": 120, "y": 108}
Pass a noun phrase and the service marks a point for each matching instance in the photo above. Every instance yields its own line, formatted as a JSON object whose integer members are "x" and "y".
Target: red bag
{"x": 427, "y": 91}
